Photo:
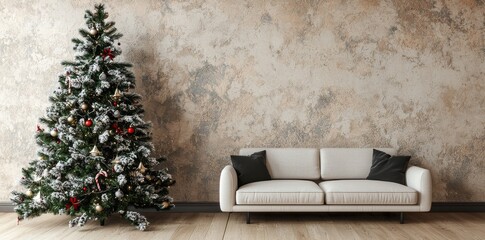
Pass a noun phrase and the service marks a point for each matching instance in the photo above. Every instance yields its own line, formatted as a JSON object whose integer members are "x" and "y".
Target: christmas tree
{"x": 94, "y": 154}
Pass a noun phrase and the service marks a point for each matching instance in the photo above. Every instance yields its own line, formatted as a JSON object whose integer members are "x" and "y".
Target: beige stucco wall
{"x": 218, "y": 75}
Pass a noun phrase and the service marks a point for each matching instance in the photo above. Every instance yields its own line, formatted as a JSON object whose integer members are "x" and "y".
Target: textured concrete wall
{"x": 220, "y": 75}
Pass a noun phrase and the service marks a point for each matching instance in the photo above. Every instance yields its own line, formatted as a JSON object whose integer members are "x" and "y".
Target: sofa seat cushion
{"x": 368, "y": 192}
{"x": 280, "y": 192}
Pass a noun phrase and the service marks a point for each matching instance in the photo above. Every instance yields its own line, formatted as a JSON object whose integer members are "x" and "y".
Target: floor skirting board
{"x": 458, "y": 207}
{"x": 6, "y": 206}
{"x": 187, "y": 207}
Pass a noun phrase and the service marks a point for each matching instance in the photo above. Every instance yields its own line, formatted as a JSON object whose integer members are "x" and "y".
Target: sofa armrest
{"x": 420, "y": 179}
{"x": 227, "y": 188}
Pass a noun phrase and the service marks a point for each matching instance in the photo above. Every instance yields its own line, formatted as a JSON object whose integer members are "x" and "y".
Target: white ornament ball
{"x": 70, "y": 119}
{"x": 102, "y": 76}
{"x": 117, "y": 113}
{"x": 54, "y": 133}
{"x": 98, "y": 208}
{"x": 93, "y": 31}
{"x": 29, "y": 193}
{"x": 119, "y": 194}
{"x": 84, "y": 106}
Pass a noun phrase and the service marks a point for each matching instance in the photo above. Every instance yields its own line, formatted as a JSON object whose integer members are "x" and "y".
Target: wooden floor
{"x": 264, "y": 226}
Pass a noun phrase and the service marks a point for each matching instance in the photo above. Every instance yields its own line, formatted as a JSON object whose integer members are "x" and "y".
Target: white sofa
{"x": 323, "y": 180}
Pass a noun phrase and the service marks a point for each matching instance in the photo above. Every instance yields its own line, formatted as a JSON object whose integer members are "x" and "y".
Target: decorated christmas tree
{"x": 94, "y": 156}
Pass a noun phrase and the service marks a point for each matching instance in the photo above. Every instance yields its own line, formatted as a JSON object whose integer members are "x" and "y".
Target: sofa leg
{"x": 401, "y": 218}
{"x": 248, "y": 218}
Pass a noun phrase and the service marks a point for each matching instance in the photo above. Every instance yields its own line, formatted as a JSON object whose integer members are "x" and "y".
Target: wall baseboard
{"x": 181, "y": 207}
{"x": 458, "y": 207}
{"x": 187, "y": 207}
{"x": 6, "y": 206}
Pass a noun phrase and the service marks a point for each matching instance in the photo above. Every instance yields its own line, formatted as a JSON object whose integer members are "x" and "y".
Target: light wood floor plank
{"x": 278, "y": 226}
{"x": 217, "y": 226}
{"x": 5, "y": 218}
{"x": 201, "y": 223}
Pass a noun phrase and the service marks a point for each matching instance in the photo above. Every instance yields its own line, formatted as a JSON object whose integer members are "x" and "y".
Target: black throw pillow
{"x": 250, "y": 168}
{"x": 388, "y": 168}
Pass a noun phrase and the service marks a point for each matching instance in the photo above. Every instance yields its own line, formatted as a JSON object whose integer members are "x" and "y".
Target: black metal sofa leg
{"x": 248, "y": 218}
{"x": 401, "y": 219}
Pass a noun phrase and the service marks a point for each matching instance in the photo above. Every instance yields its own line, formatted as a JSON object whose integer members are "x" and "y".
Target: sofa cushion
{"x": 367, "y": 192}
{"x": 280, "y": 192}
{"x": 388, "y": 168}
{"x": 347, "y": 163}
{"x": 250, "y": 168}
{"x": 290, "y": 163}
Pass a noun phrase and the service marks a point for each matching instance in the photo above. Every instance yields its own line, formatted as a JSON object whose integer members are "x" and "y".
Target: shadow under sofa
{"x": 323, "y": 180}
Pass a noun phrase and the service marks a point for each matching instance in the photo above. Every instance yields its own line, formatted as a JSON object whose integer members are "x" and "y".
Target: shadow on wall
{"x": 162, "y": 109}
{"x": 182, "y": 139}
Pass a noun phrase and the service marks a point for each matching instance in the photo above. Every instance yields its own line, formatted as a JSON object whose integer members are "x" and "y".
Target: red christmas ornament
{"x": 118, "y": 130}
{"x": 114, "y": 125}
{"x": 131, "y": 130}
{"x": 115, "y": 103}
{"x": 85, "y": 189}
{"x": 107, "y": 53}
{"x": 88, "y": 123}
{"x": 72, "y": 202}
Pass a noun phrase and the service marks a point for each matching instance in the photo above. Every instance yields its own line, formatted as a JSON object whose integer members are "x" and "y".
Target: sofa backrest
{"x": 347, "y": 163}
{"x": 290, "y": 163}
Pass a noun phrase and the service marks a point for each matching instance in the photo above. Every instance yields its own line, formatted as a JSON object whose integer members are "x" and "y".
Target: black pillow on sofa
{"x": 388, "y": 168}
{"x": 250, "y": 168}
